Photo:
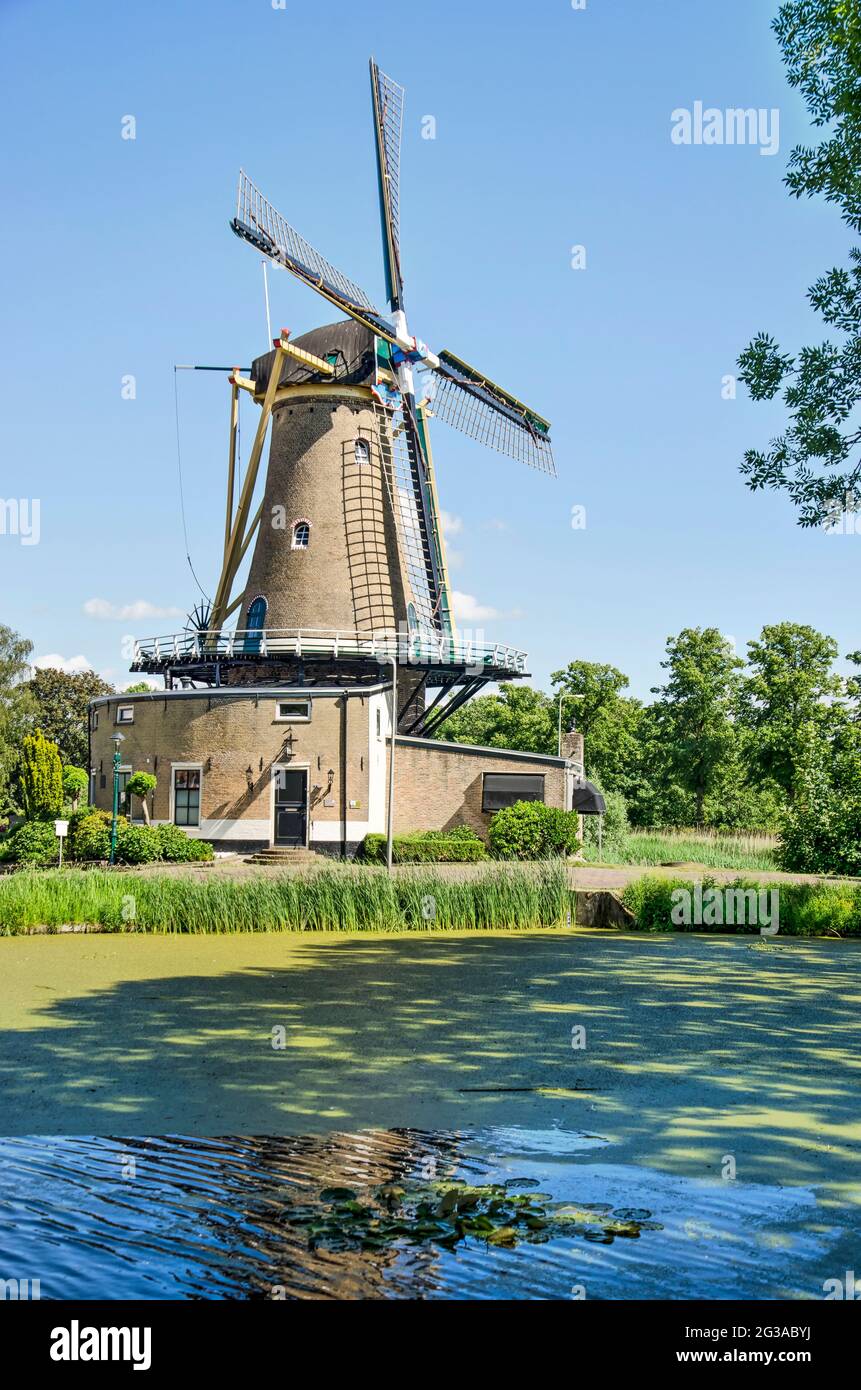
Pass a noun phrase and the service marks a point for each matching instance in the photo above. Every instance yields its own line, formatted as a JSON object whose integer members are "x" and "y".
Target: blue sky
{"x": 553, "y": 130}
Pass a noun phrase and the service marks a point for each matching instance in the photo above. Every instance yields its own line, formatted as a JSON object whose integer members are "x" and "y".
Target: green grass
{"x": 349, "y": 900}
{"x": 712, "y": 849}
{"x": 803, "y": 909}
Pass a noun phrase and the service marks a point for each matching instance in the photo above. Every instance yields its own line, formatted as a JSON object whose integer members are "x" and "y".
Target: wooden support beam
{"x": 237, "y": 532}
{"x": 231, "y": 460}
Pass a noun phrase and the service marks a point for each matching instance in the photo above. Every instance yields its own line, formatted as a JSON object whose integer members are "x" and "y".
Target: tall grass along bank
{"x": 712, "y": 849}
{"x": 346, "y": 900}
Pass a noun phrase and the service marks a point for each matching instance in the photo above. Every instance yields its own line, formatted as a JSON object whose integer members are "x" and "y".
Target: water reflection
{"x": 387, "y": 1214}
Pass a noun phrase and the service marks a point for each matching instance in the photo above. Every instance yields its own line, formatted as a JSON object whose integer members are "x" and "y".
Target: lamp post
{"x": 393, "y": 732}
{"x": 116, "y": 740}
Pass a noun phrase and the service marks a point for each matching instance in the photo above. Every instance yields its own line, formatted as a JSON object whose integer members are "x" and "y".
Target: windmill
{"x": 403, "y": 384}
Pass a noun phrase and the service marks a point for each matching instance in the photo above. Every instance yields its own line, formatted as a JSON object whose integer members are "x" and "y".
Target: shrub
{"x": 531, "y": 830}
{"x": 41, "y": 778}
{"x": 426, "y": 847}
{"x": 75, "y": 783}
{"x": 137, "y": 844}
{"x": 90, "y": 834}
{"x": 178, "y": 848}
{"x": 821, "y": 830}
{"x": 805, "y": 909}
{"x": 141, "y": 785}
{"x": 615, "y": 827}
{"x": 32, "y": 842}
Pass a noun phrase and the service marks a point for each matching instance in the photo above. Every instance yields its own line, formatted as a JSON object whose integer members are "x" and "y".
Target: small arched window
{"x": 301, "y": 535}
{"x": 362, "y": 451}
{"x": 255, "y": 622}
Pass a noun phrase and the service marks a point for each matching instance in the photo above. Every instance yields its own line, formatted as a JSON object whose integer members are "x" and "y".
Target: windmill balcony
{"x": 253, "y": 645}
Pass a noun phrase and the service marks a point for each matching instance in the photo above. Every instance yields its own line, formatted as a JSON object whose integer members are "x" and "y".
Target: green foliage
{"x": 141, "y": 784}
{"x": 175, "y": 847}
{"x": 16, "y": 709}
{"x": 90, "y": 835}
{"x": 460, "y": 846}
{"x": 75, "y": 784}
{"x": 821, "y": 831}
{"x": 695, "y": 708}
{"x": 32, "y": 842}
{"x": 789, "y": 691}
{"x": 137, "y": 844}
{"x": 338, "y": 899}
{"x": 41, "y": 778}
{"x": 815, "y": 461}
{"x": 517, "y": 717}
{"x": 531, "y": 830}
{"x": 62, "y": 708}
{"x": 615, "y": 828}
{"x": 805, "y": 909}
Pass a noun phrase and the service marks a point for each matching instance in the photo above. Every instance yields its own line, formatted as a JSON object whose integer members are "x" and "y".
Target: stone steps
{"x": 280, "y": 856}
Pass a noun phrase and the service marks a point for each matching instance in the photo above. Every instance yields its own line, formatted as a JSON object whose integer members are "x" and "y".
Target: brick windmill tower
{"x": 347, "y": 584}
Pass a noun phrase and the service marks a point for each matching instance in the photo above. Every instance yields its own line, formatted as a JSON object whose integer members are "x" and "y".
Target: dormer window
{"x": 301, "y": 535}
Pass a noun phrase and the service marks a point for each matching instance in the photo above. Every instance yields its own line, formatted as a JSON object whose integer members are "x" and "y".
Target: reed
{"x": 340, "y": 899}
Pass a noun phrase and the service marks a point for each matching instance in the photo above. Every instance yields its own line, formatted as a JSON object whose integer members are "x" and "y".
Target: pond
{"x": 488, "y": 1213}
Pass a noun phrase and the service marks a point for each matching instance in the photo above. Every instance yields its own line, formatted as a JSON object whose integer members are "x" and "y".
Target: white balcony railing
{"x": 417, "y": 648}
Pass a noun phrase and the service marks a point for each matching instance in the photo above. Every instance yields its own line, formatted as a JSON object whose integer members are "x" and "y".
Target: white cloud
{"x": 455, "y": 559}
{"x": 128, "y": 612}
{"x": 72, "y": 665}
{"x": 451, "y": 525}
{"x": 467, "y": 608}
{"x": 496, "y": 525}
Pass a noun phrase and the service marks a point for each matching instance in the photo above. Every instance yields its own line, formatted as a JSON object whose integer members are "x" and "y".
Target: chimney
{"x": 572, "y": 746}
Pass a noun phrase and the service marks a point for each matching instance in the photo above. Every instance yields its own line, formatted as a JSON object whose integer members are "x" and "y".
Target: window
{"x": 255, "y": 622}
{"x": 362, "y": 451}
{"x": 124, "y": 799}
{"x": 292, "y": 711}
{"x": 125, "y": 714}
{"x": 186, "y": 796}
{"x": 379, "y": 723}
{"x": 301, "y": 535}
{"x": 504, "y": 788}
{"x": 95, "y": 719}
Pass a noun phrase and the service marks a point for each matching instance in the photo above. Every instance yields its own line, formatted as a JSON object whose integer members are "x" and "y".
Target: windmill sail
{"x": 472, "y": 403}
{"x": 258, "y": 222}
{"x": 388, "y": 100}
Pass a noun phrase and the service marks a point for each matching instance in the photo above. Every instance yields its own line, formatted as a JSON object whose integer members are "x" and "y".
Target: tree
{"x": 790, "y": 690}
{"x": 609, "y": 721}
{"x": 41, "y": 778}
{"x": 816, "y": 460}
{"x": 139, "y": 688}
{"x": 75, "y": 783}
{"x": 517, "y": 717}
{"x": 142, "y": 785}
{"x": 695, "y": 710}
{"x": 16, "y": 705}
{"x": 62, "y": 702}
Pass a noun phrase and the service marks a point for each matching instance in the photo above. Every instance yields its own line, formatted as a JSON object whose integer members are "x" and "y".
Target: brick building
{"x": 306, "y": 767}
{"x": 277, "y": 732}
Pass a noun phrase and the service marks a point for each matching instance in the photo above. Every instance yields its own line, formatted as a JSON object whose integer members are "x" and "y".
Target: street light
{"x": 116, "y": 740}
